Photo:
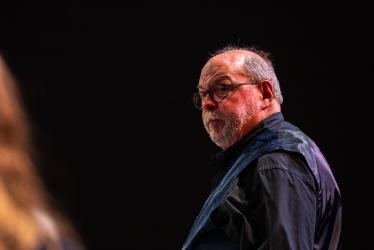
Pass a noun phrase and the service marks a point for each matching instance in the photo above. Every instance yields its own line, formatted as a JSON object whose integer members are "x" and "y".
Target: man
{"x": 272, "y": 187}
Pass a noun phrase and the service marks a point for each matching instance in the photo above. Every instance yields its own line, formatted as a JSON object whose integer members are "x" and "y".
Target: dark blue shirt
{"x": 274, "y": 203}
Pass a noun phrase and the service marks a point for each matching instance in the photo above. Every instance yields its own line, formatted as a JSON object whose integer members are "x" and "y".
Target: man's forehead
{"x": 233, "y": 59}
{"x": 212, "y": 67}
{"x": 230, "y": 62}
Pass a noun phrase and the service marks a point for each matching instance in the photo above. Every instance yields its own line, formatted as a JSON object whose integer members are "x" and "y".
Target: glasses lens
{"x": 220, "y": 92}
{"x": 197, "y": 100}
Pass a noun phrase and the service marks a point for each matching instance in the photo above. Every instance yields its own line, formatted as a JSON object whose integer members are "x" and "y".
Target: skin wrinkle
{"x": 212, "y": 73}
{"x": 217, "y": 79}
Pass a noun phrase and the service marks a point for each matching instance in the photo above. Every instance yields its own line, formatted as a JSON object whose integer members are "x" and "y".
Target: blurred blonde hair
{"x": 27, "y": 221}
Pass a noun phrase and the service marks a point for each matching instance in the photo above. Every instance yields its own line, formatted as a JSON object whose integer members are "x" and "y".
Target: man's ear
{"x": 267, "y": 90}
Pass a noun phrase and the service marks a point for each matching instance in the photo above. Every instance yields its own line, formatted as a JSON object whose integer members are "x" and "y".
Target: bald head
{"x": 233, "y": 60}
{"x": 252, "y": 63}
{"x": 235, "y": 56}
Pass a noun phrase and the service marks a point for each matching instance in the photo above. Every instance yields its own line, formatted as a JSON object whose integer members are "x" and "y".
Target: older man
{"x": 272, "y": 187}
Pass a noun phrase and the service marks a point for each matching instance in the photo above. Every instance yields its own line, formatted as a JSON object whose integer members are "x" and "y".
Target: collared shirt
{"x": 272, "y": 205}
{"x": 221, "y": 162}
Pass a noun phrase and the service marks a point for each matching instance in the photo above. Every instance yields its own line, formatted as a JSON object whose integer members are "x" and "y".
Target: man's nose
{"x": 208, "y": 103}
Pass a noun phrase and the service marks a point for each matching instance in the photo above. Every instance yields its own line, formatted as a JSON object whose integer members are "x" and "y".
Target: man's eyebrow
{"x": 218, "y": 79}
{"x": 221, "y": 78}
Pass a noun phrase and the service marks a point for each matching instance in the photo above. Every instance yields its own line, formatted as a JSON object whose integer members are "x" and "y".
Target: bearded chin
{"x": 228, "y": 135}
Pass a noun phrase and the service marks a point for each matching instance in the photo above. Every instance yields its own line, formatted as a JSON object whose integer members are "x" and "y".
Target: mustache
{"x": 213, "y": 116}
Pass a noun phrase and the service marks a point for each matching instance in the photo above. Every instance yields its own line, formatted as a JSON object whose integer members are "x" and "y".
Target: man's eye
{"x": 222, "y": 87}
{"x": 202, "y": 93}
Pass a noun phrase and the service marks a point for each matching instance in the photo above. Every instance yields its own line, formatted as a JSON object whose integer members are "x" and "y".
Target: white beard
{"x": 229, "y": 134}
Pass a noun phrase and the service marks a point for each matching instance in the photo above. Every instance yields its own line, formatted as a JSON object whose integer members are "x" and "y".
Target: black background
{"x": 120, "y": 146}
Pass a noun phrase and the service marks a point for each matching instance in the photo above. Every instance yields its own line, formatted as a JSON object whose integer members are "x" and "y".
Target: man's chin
{"x": 222, "y": 141}
{"x": 217, "y": 139}
{"x": 216, "y": 125}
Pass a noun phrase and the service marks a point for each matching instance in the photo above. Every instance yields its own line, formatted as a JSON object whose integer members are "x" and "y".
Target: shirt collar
{"x": 224, "y": 159}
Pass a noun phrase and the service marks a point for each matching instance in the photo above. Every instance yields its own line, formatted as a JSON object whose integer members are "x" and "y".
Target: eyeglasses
{"x": 218, "y": 92}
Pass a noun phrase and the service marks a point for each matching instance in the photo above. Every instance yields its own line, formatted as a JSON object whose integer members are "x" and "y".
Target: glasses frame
{"x": 199, "y": 96}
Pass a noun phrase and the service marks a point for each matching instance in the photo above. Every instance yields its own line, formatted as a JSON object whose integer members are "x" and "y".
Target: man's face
{"x": 229, "y": 120}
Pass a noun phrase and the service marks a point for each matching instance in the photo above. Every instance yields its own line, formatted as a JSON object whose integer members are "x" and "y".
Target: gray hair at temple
{"x": 259, "y": 68}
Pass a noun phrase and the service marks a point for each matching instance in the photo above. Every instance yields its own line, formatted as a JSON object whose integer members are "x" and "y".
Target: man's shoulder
{"x": 280, "y": 160}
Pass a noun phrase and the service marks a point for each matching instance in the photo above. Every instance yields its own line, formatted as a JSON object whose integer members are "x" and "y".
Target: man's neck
{"x": 255, "y": 120}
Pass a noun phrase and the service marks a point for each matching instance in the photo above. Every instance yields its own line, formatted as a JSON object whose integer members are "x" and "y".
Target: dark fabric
{"x": 278, "y": 202}
{"x": 64, "y": 244}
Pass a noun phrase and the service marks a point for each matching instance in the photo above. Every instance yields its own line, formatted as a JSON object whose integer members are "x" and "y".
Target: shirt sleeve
{"x": 281, "y": 203}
